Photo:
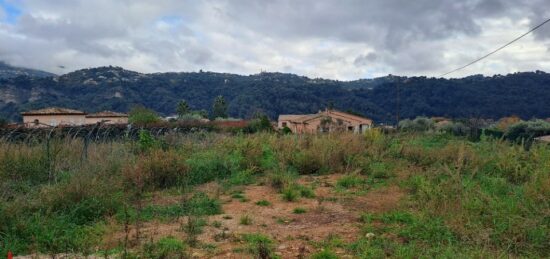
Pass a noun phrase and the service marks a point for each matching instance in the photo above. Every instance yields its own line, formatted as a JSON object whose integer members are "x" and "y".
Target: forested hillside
{"x": 113, "y": 88}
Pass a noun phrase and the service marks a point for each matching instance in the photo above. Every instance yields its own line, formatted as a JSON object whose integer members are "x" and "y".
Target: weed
{"x": 263, "y": 203}
{"x": 245, "y": 220}
{"x": 299, "y": 210}
{"x": 290, "y": 194}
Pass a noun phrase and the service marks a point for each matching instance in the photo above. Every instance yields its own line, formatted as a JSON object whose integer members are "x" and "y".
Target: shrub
{"x": 201, "y": 204}
{"x": 142, "y": 116}
{"x": 527, "y": 130}
{"x": 419, "y": 124}
{"x": 290, "y": 194}
{"x": 260, "y": 246}
{"x": 206, "y": 166}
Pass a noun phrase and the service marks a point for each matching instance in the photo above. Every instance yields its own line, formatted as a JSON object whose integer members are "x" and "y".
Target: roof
{"x": 348, "y": 115}
{"x": 109, "y": 114}
{"x": 54, "y": 111}
{"x": 292, "y": 117}
{"x": 306, "y": 117}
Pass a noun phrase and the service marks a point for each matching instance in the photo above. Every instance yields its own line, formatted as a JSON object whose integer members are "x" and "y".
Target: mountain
{"x": 524, "y": 94}
{"x": 7, "y": 71}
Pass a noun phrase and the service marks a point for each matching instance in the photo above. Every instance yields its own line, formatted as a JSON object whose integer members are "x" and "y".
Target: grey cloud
{"x": 364, "y": 60}
{"x": 244, "y": 36}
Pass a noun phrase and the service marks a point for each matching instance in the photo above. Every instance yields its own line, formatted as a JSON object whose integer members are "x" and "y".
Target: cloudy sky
{"x": 337, "y": 39}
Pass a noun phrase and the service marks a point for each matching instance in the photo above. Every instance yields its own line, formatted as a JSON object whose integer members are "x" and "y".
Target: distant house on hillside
{"x": 54, "y": 116}
{"x": 324, "y": 121}
{"x": 107, "y": 117}
{"x": 51, "y": 117}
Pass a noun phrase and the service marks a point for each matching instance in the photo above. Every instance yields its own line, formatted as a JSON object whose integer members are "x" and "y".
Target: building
{"x": 107, "y": 117}
{"x": 51, "y": 117}
{"x": 325, "y": 121}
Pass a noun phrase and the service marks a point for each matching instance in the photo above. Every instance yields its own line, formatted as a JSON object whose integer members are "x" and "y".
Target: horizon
{"x": 317, "y": 39}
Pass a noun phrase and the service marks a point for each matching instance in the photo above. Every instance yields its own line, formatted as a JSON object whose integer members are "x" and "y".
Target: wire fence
{"x": 94, "y": 133}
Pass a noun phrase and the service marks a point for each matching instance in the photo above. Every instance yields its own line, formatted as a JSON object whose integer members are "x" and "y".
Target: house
{"x": 324, "y": 121}
{"x": 51, "y": 117}
{"x": 54, "y": 116}
{"x": 107, "y": 117}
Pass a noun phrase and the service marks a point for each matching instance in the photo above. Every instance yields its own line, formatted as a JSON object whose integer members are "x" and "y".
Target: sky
{"x": 335, "y": 39}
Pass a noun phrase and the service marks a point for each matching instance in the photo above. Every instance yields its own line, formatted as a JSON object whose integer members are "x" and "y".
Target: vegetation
{"x": 455, "y": 197}
{"x": 112, "y": 88}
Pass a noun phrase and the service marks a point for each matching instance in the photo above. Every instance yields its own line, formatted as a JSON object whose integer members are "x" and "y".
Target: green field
{"x": 403, "y": 195}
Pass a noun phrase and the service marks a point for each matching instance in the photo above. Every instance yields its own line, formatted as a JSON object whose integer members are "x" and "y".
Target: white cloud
{"x": 332, "y": 39}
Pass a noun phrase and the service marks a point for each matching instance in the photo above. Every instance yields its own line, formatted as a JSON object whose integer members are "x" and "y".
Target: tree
{"x": 183, "y": 108}
{"x": 219, "y": 108}
{"x": 142, "y": 116}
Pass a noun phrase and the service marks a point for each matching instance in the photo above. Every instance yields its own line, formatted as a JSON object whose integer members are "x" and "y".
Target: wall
{"x": 107, "y": 120}
{"x": 53, "y": 120}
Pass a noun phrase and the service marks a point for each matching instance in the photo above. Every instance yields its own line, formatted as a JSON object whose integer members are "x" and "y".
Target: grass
{"x": 463, "y": 199}
{"x": 245, "y": 220}
{"x": 299, "y": 210}
{"x": 263, "y": 203}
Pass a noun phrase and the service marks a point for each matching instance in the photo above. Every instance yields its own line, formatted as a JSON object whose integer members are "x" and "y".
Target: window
{"x": 284, "y": 124}
{"x": 350, "y": 128}
{"x": 36, "y": 122}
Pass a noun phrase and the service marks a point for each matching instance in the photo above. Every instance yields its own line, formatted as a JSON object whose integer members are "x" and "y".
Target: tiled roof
{"x": 291, "y": 117}
{"x": 106, "y": 114}
{"x": 54, "y": 111}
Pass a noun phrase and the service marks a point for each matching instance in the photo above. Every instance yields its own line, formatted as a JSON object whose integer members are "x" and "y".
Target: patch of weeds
{"x": 201, "y": 204}
{"x": 217, "y": 224}
{"x": 350, "y": 181}
{"x": 258, "y": 245}
{"x": 289, "y": 194}
{"x": 306, "y": 192}
{"x": 245, "y": 220}
{"x": 193, "y": 228}
{"x": 324, "y": 254}
{"x": 244, "y": 177}
{"x": 263, "y": 203}
{"x": 239, "y": 196}
{"x": 166, "y": 247}
{"x": 299, "y": 210}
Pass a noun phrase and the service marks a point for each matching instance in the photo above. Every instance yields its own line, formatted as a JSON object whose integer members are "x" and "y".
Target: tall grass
{"x": 473, "y": 199}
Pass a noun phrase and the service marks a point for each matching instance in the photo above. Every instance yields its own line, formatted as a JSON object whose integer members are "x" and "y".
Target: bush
{"x": 142, "y": 116}
{"x": 455, "y": 128}
{"x": 419, "y": 124}
{"x": 527, "y": 130}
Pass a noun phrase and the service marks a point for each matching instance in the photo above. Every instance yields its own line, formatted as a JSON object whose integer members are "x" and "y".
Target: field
{"x": 266, "y": 195}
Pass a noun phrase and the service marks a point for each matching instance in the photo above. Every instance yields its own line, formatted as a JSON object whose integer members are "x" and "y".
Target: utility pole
{"x": 397, "y": 99}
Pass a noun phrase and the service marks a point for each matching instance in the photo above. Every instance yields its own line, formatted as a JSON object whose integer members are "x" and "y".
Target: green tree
{"x": 142, "y": 116}
{"x": 219, "y": 108}
{"x": 183, "y": 108}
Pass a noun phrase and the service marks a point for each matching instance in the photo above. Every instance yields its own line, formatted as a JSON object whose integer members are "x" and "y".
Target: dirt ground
{"x": 330, "y": 213}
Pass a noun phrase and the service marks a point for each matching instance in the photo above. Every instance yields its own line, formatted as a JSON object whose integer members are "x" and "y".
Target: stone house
{"x": 52, "y": 117}
{"x": 325, "y": 121}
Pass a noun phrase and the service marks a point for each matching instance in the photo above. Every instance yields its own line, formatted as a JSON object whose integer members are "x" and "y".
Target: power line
{"x": 495, "y": 51}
